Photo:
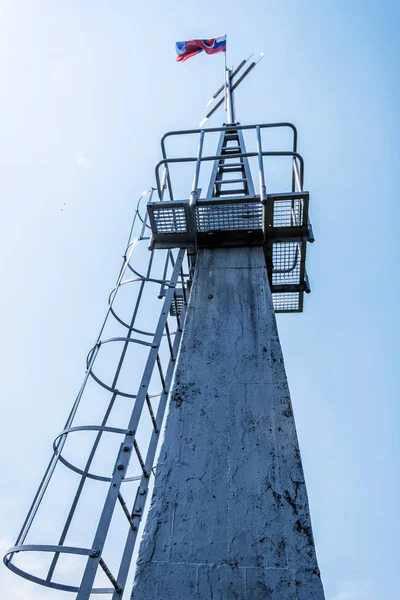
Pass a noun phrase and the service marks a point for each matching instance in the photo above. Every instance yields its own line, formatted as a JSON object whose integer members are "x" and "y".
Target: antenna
{"x": 230, "y": 85}
{"x": 235, "y": 72}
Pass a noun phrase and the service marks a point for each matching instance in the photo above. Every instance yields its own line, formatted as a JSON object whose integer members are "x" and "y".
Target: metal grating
{"x": 233, "y": 214}
{"x": 229, "y": 217}
{"x": 286, "y": 260}
{"x": 288, "y": 213}
{"x": 177, "y": 303}
{"x": 170, "y": 220}
{"x": 286, "y": 301}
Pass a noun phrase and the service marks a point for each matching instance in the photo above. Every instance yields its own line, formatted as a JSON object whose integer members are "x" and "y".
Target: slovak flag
{"x": 185, "y": 50}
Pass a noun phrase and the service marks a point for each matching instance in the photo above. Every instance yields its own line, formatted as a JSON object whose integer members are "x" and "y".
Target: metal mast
{"x": 229, "y": 97}
{"x": 229, "y": 512}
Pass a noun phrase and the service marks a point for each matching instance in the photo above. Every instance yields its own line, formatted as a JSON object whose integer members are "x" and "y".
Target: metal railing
{"x": 164, "y": 182}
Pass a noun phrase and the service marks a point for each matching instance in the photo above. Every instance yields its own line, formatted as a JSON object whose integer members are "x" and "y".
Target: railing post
{"x": 163, "y": 184}
{"x": 194, "y": 193}
{"x": 297, "y": 175}
{"x": 263, "y": 189}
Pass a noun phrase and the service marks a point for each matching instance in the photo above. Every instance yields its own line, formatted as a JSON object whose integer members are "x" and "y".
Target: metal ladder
{"x": 118, "y": 414}
{"x": 231, "y": 176}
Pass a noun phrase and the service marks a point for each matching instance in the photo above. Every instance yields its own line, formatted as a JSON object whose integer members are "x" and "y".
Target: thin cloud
{"x": 82, "y": 161}
{"x": 34, "y": 562}
{"x": 356, "y": 590}
{"x": 19, "y": 588}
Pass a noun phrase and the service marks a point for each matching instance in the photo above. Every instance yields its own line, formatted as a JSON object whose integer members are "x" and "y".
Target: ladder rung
{"x": 230, "y": 169}
{"x": 230, "y": 150}
{"x": 126, "y": 511}
{"x": 171, "y": 349}
{"x": 153, "y": 419}
{"x": 222, "y": 181}
{"x": 161, "y": 372}
{"x": 110, "y": 576}
{"x": 231, "y": 192}
{"x": 140, "y": 459}
{"x": 223, "y": 163}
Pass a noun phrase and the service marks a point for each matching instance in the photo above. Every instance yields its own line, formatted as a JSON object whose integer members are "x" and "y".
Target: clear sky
{"x": 87, "y": 90}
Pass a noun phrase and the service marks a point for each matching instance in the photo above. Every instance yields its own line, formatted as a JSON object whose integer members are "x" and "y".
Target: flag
{"x": 185, "y": 50}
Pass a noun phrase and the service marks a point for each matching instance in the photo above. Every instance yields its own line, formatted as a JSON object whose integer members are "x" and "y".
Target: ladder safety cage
{"x": 133, "y": 416}
{"x": 233, "y": 214}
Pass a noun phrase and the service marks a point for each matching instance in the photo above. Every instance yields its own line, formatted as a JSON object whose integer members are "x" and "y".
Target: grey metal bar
{"x": 123, "y": 458}
{"x": 216, "y": 164}
{"x": 285, "y": 288}
{"x": 229, "y": 98}
{"x": 149, "y": 191}
{"x": 240, "y": 127}
{"x": 161, "y": 372}
{"x": 169, "y": 341}
{"x": 57, "y": 451}
{"x": 178, "y": 322}
{"x": 246, "y": 165}
{"x": 198, "y": 159}
{"x": 163, "y": 183}
{"x": 297, "y": 176}
{"x": 165, "y": 271}
{"x": 141, "y": 496}
{"x": 219, "y": 201}
{"x": 153, "y": 419}
{"x": 212, "y": 111}
{"x": 241, "y": 65}
{"x": 238, "y": 155}
{"x": 140, "y": 458}
{"x": 110, "y": 576}
{"x": 50, "y": 548}
{"x": 220, "y": 89}
{"x": 98, "y": 437}
{"x": 52, "y": 465}
{"x": 183, "y": 286}
{"x": 247, "y": 71}
{"x": 263, "y": 189}
{"x": 294, "y": 265}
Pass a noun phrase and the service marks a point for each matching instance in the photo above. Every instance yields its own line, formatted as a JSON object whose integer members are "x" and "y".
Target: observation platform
{"x": 233, "y": 214}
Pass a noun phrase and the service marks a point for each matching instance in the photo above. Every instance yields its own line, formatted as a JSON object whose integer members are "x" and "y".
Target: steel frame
{"x": 160, "y": 362}
{"x": 280, "y": 224}
{"x": 248, "y": 219}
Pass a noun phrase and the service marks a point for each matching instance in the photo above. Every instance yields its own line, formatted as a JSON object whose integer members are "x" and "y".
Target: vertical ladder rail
{"x": 157, "y": 352}
{"x": 142, "y": 492}
{"x": 237, "y": 169}
{"x": 100, "y": 433}
{"x": 124, "y": 454}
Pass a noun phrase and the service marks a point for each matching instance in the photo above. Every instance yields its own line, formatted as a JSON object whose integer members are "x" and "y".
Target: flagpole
{"x": 225, "y": 70}
{"x": 228, "y": 94}
{"x": 226, "y": 38}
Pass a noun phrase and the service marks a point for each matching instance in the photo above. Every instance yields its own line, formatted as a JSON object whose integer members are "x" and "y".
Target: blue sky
{"x": 88, "y": 88}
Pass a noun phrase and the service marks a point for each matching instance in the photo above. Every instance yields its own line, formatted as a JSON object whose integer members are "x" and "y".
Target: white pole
{"x": 228, "y": 96}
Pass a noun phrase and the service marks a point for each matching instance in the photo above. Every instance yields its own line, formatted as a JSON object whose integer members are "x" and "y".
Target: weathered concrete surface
{"x": 229, "y": 515}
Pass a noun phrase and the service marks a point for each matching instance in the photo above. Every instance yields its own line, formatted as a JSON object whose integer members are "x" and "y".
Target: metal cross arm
{"x": 229, "y": 86}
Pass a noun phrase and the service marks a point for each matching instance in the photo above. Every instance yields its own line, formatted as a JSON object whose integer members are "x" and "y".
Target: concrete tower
{"x": 229, "y": 516}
